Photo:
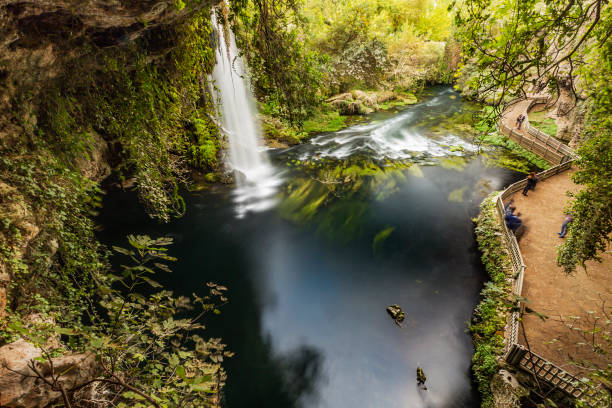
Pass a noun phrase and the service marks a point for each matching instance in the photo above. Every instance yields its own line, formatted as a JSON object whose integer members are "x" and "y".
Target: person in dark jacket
{"x": 513, "y": 222}
{"x": 509, "y": 208}
{"x": 532, "y": 180}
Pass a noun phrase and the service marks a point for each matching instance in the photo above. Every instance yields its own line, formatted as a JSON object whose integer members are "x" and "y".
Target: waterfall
{"x": 256, "y": 182}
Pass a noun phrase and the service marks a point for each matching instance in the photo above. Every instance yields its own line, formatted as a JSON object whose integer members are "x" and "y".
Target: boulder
{"x": 506, "y": 390}
{"x": 19, "y": 386}
{"x": 341, "y": 97}
{"x": 396, "y": 314}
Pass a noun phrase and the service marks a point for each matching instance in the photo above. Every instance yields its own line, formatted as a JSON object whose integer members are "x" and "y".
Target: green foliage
{"x": 152, "y": 112}
{"x": 490, "y": 315}
{"x": 144, "y": 351}
{"x": 284, "y": 74}
{"x": 142, "y": 341}
{"x": 368, "y": 42}
{"x": 591, "y": 207}
{"x": 62, "y": 201}
{"x": 512, "y": 45}
{"x": 300, "y": 51}
{"x": 146, "y": 109}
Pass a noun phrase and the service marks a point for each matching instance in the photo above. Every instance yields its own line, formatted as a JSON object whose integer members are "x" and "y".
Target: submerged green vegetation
{"x": 320, "y": 194}
{"x": 138, "y": 113}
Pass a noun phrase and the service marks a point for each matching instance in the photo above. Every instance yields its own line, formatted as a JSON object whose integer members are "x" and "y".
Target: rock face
{"x": 18, "y": 387}
{"x": 506, "y": 390}
{"x": 37, "y": 36}
{"x": 40, "y": 40}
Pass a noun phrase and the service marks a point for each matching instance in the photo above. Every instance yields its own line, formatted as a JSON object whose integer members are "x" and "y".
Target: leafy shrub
{"x": 487, "y": 327}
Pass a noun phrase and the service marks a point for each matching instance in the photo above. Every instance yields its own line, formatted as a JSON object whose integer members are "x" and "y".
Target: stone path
{"x": 547, "y": 287}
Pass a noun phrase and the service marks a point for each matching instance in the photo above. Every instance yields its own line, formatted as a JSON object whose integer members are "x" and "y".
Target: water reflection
{"x": 310, "y": 278}
{"x": 333, "y": 195}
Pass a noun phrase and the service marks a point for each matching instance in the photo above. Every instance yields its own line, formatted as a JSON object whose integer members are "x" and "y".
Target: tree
{"x": 514, "y": 47}
{"x": 517, "y": 45}
{"x": 591, "y": 207}
{"x": 282, "y": 71}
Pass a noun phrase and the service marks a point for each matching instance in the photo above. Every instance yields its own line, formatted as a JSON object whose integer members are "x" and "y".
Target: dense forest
{"x": 98, "y": 98}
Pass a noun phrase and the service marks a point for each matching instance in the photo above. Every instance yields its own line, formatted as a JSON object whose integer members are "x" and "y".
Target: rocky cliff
{"x": 87, "y": 89}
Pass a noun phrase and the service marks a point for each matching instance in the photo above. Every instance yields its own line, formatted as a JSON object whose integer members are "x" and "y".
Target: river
{"x": 370, "y": 216}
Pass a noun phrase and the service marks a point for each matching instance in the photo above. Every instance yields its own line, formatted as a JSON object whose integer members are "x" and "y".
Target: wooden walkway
{"x": 556, "y": 291}
{"x": 532, "y": 139}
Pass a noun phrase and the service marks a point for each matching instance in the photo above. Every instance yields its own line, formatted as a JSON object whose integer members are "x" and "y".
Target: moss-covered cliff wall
{"x": 91, "y": 90}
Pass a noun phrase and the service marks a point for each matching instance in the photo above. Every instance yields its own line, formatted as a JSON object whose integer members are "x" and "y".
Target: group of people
{"x": 513, "y": 221}
{"x": 519, "y": 120}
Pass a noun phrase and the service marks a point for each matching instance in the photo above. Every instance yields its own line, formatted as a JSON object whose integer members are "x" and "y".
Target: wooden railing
{"x": 562, "y": 157}
{"x": 538, "y": 142}
{"x": 514, "y": 353}
{"x": 518, "y": 266}
{"x": 556, "y": 377}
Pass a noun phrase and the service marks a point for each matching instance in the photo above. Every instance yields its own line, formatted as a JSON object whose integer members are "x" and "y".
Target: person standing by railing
{"x": 532, "y": 180}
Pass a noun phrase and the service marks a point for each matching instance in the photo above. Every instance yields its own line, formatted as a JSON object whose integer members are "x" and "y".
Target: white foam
{"x": 256, "y": 179}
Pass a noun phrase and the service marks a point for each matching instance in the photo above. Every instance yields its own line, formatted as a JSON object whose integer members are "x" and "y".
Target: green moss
{"x": 548, "y": 125}
{"x": 321, "y": 122}
{"x": 203, "y": 152}
{"x": 401, "y": 99}
{"x": 487, "y": 327}
{"x": 496, "y": 139}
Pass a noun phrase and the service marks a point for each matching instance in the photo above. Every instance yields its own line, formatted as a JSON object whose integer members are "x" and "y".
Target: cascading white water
{"x": 256, "y": 182}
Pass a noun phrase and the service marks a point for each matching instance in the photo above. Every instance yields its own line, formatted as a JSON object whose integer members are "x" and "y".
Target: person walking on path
{"x": 519, "y": 121}
{"x": 532, "y": 180}
{"x": 566, "y": 221}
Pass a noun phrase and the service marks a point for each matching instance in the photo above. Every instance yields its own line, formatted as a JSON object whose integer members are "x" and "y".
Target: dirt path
{"x": 547, "y": 287}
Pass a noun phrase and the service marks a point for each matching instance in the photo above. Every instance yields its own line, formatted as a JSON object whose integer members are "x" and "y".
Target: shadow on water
{"x": 287, "y": 379}
{"x": 310, "y": 278}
